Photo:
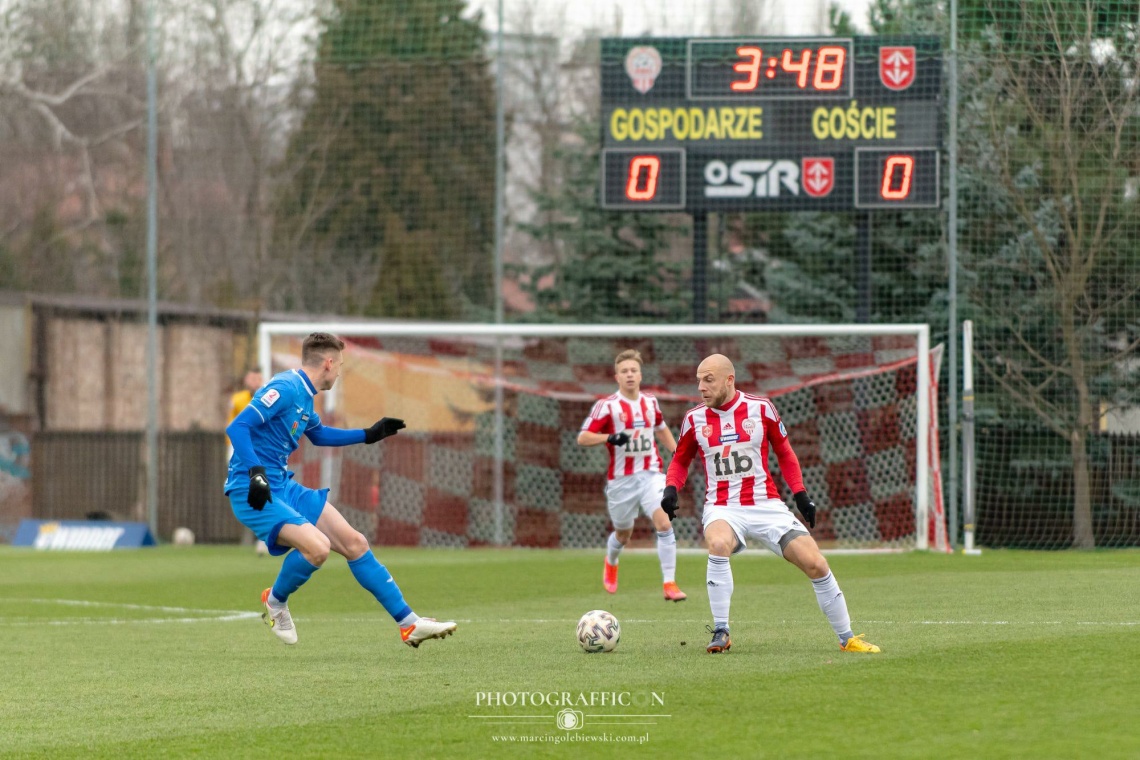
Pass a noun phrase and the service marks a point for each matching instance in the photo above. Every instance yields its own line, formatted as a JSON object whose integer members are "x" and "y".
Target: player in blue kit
{"x": 288, "y": 516}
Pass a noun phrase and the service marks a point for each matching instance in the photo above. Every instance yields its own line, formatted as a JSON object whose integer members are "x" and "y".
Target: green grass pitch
{"x": 158, "y": 653}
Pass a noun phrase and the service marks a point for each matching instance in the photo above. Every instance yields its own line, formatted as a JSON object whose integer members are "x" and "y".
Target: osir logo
{"x": 760, "y": 178}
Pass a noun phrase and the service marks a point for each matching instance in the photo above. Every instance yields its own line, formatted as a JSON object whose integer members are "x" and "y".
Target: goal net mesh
{"x": 849, "y": 404}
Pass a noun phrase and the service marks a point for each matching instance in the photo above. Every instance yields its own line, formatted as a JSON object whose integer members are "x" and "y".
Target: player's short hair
{"x": 624, "y": 356}
{"x": 319, "y": 345}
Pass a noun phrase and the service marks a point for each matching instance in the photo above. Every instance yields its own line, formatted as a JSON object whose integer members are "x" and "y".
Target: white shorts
{"x": 625, "y": 494}
{"x": 767, "y": 522}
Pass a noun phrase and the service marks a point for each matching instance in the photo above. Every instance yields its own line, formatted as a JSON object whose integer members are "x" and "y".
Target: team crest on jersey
{"x": 270, "y": 398}
{"x": 748, "y": 425}
{"x": 293, "y": 431}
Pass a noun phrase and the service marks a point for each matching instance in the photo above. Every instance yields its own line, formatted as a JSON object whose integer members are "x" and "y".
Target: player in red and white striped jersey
{"x": 731, "y": 434}
{"x": 627, "y": 422}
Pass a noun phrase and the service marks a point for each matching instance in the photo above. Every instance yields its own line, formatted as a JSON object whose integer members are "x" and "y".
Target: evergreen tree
{"x": 390, "y": 193}
{"x": 610, "y": 266}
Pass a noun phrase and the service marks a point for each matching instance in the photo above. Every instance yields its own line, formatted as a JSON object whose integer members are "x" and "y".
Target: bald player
{"x": 731, "y": 433}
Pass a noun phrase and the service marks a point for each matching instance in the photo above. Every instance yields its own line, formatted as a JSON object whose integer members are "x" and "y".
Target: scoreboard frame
{"x": 771, "y": 123}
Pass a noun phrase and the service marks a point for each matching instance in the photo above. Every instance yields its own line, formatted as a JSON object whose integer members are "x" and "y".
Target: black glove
{"x": 259, "y": 494}
{"x": 383, "y": 428}
{"x": 806, "y": 507}
{"x": 618, "y": 439}
{"x": 669, "y": 501}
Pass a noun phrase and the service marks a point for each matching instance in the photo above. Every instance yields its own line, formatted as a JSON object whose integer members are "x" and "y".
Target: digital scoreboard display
{"x": 771, "y": 123}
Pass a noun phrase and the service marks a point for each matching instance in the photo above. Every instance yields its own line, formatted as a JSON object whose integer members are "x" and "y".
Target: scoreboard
{"x": 771, "y": 123}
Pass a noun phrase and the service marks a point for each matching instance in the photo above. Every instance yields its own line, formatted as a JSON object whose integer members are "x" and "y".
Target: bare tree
{"x": 70, "y": 119}
{"x": 744, "y": 17}
{"x": 231, "y": 110}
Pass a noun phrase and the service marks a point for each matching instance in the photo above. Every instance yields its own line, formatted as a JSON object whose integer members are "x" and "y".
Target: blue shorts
{"x": 293, "y": 504}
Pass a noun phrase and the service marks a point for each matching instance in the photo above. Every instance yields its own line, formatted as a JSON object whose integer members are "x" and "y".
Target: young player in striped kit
{"x": 732, "y": 433}
{"x": 627, "y": 422}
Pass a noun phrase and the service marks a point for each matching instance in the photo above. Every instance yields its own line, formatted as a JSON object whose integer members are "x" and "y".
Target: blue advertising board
{"x": 83, "y": 535}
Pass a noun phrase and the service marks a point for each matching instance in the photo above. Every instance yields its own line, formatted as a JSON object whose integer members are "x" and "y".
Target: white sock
{"x": 274, "y": 601}
{"x": 410, "y": 619}
{"x": 719, "y": 576}
{"x": 613, "y": 549}
{"x": 833, "y": 604}
{"x": 667, "y": 553}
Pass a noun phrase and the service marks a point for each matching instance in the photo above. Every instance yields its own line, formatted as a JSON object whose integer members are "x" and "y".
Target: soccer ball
{"x": 182, "y": 537}
{"x": 598, "y": 631}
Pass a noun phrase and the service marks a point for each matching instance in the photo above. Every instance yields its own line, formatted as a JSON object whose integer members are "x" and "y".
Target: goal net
{"x": 490, "y": 454}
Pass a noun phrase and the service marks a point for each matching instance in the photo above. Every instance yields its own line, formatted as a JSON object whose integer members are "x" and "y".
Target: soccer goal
{"x": 489, "y": 456}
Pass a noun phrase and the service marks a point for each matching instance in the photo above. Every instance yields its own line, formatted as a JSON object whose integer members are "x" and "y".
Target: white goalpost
{"x": 489, "y": 457}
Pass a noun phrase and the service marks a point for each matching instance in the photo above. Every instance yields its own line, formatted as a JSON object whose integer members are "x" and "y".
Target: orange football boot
{"x": 609, "y": 577}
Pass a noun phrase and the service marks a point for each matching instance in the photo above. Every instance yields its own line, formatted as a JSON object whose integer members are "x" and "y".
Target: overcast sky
{"x": 660, "y": 17}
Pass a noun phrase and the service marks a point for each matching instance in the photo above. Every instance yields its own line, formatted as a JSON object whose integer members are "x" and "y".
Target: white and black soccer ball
{"x": 598, "y": 631}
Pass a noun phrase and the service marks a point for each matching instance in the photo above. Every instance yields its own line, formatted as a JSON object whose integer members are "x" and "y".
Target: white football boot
{"x": 424, "y": 629}
{"x": 278, "y": 619}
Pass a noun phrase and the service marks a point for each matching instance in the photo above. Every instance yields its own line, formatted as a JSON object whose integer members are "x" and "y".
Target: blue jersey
{"x": 285, "y": 405}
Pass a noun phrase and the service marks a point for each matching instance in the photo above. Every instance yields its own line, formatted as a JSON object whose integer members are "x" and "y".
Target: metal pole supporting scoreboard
{"x": 771, "y": 124}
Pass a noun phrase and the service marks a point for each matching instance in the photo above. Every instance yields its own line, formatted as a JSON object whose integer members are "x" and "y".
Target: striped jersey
{"x": 732, "y": 442}
{"x": 640, "y": 419}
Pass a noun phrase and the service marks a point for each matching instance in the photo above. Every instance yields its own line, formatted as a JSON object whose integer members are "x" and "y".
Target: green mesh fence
{"x": 340, "y": 158}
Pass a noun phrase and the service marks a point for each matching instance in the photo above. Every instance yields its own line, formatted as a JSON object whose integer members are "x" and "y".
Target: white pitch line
{"x": 207, "y": 616}
{"x": 654, "y": 621}
{"x": 118, "y": 605}
{"x": 130, "y": 621}
{"x": 210, "y": 615}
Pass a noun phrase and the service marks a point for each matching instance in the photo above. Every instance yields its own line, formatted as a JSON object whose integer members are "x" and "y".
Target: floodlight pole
{"x": 952, "y": 285}
{"x": 700, "y": 267}
{"x": 151, "y": 277}
{"x": 500, "y": 179}
{"x": 863, "y": 266}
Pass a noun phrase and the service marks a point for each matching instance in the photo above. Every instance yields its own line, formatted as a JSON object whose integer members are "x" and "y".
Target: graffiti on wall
{"x": 15, "y": 480}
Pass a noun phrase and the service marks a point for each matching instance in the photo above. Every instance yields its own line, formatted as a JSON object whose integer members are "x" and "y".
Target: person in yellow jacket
{"x": 239, "y": 401}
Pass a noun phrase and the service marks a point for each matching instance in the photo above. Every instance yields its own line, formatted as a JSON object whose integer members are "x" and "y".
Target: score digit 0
{"x": 635, "y": 189}
{"x": 890, "y": 191}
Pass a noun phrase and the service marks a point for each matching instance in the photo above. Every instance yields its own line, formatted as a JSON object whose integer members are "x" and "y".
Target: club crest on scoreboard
{"x": 643, "y": 64}
{"x": 818, "y": 175}
{"x": 897, "y": 67}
